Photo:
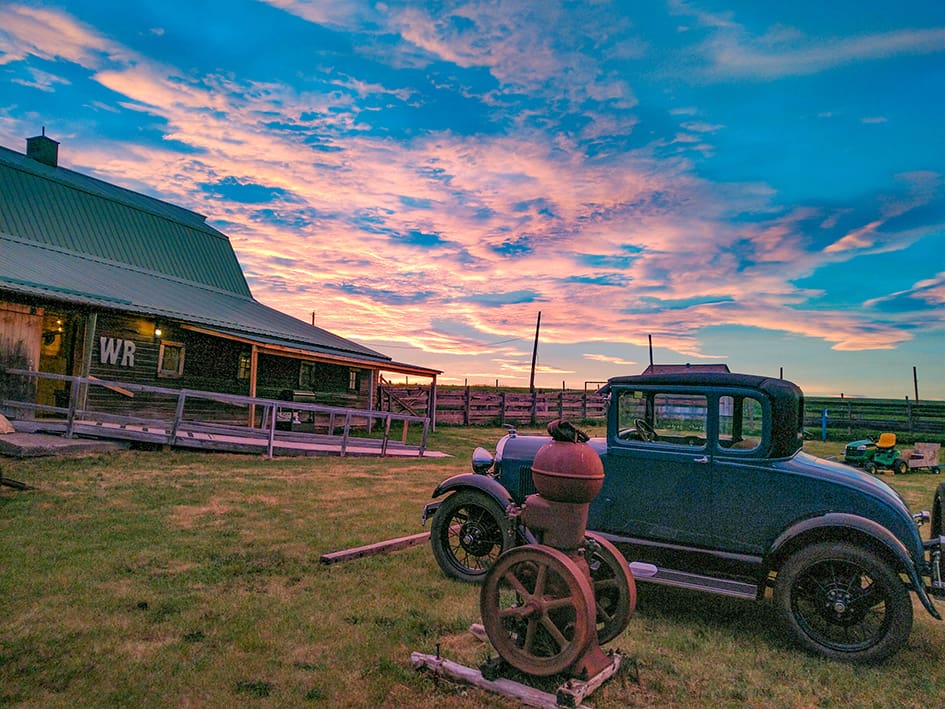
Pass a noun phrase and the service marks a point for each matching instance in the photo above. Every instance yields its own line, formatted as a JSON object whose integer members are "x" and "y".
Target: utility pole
{"x": 531, "y": 385}
{"x": 915, "y": 383}
{"x": 650, "y": 338}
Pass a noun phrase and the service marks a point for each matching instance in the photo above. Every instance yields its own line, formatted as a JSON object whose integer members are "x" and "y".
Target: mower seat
{"x": 886, "y": 441}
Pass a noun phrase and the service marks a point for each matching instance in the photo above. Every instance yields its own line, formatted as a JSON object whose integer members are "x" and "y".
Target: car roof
{"x": 697, "y": 378}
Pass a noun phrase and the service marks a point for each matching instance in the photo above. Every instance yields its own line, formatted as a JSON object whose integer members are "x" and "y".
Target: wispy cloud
{"x": 733, "y": 52}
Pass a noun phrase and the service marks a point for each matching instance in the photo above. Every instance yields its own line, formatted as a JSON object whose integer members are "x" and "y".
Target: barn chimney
{"x": 43, "y": 149}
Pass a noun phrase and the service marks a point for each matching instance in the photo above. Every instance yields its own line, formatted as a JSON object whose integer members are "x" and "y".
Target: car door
{"x": 657, "y": 488}
{"x": 753, "y": 499}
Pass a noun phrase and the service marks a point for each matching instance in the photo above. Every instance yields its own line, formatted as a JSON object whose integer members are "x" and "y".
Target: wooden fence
{"x": 854, "y": 417}
{"x": 465, "y": 406}
{"x": 475, "y": 406}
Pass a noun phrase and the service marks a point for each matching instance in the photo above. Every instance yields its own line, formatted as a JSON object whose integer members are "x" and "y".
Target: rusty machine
{"x": 547, "y": 607}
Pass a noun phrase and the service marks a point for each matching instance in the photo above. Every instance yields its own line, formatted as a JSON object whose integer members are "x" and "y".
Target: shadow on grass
{"x": 752, "y": 621}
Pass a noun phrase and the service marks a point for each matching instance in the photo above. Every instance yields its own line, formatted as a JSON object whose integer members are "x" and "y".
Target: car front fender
{"x": 468, "y": 481}
{"x": 829, "y": 524}
{"x": 484, "y": 483}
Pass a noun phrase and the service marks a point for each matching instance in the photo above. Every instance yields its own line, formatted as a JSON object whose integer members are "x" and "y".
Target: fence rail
{"x": 280, "y": 422}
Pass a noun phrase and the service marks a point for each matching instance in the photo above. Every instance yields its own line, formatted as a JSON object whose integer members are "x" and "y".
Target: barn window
{"x": 245, "y": 365}
{"x": 306, "y": 375}
{"x": 171, "y": 360}
{"x": 354, "y": 380}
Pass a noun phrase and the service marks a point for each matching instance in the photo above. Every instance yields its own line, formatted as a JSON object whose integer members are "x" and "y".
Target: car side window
{"x": 663, "y": 419}
{"x": 740, "y": 423}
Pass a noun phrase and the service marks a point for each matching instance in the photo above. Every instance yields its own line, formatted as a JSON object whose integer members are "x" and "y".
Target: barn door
{"x": 21, "y": 332}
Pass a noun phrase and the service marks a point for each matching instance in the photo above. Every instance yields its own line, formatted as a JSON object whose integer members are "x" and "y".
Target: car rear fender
{"x": 838, "y": 525}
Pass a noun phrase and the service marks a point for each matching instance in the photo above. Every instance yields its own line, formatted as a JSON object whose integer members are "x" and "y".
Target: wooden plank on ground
{"x": 529, "y": 696}
{"x": 376, "y": 548}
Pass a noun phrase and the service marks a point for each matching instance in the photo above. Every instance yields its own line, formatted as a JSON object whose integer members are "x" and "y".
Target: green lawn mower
{"x": 873, "y": 456}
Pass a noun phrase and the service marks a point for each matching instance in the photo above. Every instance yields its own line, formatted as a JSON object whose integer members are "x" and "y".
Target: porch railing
{"x": 273, "y": 411}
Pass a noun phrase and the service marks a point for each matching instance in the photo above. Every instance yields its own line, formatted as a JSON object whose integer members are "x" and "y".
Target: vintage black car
{"x": 706, "y": 480}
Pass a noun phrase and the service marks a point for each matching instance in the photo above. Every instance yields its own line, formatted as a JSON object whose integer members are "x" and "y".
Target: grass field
{"x": 179, "y": 579}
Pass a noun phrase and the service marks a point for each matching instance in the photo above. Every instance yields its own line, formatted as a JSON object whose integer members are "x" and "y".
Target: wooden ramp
{"x": 230, "y": 439}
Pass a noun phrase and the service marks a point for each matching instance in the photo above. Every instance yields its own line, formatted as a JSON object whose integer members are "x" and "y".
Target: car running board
{"x": 695, "y": 582}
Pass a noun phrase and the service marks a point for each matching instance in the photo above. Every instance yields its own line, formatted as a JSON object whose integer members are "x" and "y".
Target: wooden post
{"x": 253, "y": 364}
{"x": 73, "y": 396}
{"x": 273, "y": 410}
{"x": 502, "y": 408}
{"x": 85, "y": 366}
{"x": 466, "y": 406}
{"x": 178, "y": 417}
{"x": 431, "y": 406}
{"x": 423, "y": 436}
{"x": 531, "y": 385}
{"x": 344, "y": 435}
{"x": 386, "y": 435}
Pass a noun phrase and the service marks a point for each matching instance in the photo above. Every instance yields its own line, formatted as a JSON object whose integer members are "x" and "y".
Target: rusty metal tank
{"x": 567, "y": 469}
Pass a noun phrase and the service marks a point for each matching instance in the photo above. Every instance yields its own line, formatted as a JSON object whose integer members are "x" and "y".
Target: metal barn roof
{"x": 72, "y": 238}
{"x": 55, "y": 273}
{"x": 59, "y": 207}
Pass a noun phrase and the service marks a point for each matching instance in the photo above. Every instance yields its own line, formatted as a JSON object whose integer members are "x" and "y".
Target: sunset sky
{"x": 759, "y": 184}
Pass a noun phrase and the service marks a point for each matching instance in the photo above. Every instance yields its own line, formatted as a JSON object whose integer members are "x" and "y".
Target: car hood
{"x": 524, "y": 447}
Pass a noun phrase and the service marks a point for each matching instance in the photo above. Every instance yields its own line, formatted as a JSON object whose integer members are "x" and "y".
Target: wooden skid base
{"x": 571, "y": 694}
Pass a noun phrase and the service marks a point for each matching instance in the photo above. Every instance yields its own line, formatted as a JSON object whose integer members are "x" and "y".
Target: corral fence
{"x": 839, "y": 418}
{"x": 845, "y": 417}
{"x": 483, "y": 406}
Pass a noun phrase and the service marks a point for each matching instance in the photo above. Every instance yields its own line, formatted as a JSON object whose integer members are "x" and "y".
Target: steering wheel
{"x": 645, "y": 430}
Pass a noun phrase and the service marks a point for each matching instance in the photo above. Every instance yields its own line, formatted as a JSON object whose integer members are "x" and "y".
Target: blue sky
{"x": 759, "y": 184}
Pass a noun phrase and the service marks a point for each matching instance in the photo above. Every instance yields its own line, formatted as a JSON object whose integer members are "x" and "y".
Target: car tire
{"x": 938, "y": 513}
{"x": 901, "y": 467}
{"x": 470, "y": 531}
{"x": 843, "y": 602}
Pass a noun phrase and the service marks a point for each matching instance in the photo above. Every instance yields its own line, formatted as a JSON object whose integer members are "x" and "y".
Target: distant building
{"x": 678, "y": 368}
{"x": 97, "y": 280}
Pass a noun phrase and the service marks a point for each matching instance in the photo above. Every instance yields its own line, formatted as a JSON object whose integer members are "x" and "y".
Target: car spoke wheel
{"x": 844, "y": 602}
{"x": 469, "y": 533}
{"x": 615, "y": 592}
{"x": 537, "y": 610}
